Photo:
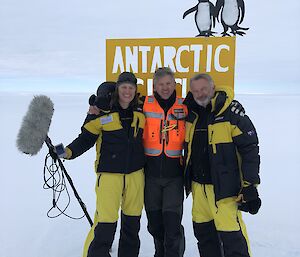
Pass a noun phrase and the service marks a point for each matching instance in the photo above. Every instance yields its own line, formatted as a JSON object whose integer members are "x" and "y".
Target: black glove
{"x": 92, "y": 100}
{"x": 250, "y": 200}
{"x": 237, "y": 108}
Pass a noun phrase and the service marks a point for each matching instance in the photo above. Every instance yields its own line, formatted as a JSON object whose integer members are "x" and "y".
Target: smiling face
{"x": 202, "y": 91}
{"x": 165, "y": 86}
{"x": 126, "y": 93}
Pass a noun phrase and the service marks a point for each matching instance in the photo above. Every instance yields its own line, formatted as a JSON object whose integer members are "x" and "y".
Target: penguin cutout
{"x": 232, "y": 14}
{"x": 204, "y": 17}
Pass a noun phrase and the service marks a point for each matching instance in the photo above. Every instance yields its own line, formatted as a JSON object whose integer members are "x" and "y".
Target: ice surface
{"x": 26, "y": 231}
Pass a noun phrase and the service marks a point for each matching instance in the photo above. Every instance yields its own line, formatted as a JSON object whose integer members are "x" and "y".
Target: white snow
{"x": 26, "y": 231}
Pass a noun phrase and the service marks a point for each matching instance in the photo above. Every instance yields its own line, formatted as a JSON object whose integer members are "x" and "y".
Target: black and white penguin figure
{"x": 204, "y": 17}
{"x": 232, "y": 14}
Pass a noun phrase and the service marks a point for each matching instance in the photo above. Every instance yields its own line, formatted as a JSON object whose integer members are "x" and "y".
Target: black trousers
{"x": 129, "y": 243}
{"x": 164, "y": 207}
{"x": 209, "y": 243}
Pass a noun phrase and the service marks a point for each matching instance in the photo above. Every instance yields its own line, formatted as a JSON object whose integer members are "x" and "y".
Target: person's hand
{"x": 237, "y": 108}
{"x": 248, "y": 200}
{"x": 94, "y": 110}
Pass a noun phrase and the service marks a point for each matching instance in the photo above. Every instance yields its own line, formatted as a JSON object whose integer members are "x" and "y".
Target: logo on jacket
{"x": 219, "y": 118}
{"x": 251, "y": 133}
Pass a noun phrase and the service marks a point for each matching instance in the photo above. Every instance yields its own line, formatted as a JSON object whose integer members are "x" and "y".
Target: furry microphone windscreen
{"x": 35, "y": 125}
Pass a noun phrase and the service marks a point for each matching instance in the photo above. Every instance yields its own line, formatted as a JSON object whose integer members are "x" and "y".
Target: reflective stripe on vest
{"x": 174, "y": 153}
{"x": 153, "y": 115}
{"x": 151, "y": 151}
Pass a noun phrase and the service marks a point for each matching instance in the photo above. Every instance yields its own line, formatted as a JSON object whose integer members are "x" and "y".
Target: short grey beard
{"x": 203, "y": 103}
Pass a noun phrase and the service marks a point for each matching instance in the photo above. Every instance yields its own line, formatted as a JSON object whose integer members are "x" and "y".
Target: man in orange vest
{"x": 164, "y": 135}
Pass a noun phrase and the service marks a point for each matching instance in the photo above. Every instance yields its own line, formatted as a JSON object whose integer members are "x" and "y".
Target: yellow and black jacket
{"x": 119, "y": 146}
{"x": 233, "y": 147}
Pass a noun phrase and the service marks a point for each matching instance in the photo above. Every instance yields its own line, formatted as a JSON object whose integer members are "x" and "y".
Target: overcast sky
{"x": 51, "y": 44}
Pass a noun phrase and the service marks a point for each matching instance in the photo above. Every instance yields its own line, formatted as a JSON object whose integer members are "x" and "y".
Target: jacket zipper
{"x": 127, "y": 156}
{"x": 127, "y": 152}
{"x": 98, "y": 182}
{"x": 211, "y": 142}
{"x": 211, "y": 136}
{"x": 124, "y": 183}
{"x": 162, "y": 139}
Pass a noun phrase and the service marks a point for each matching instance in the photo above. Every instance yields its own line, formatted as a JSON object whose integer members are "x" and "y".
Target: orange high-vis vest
{"x": 164, "y": 132}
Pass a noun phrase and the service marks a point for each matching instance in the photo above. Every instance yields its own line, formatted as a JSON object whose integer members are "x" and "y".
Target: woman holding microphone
{"x": 119, "y": 168}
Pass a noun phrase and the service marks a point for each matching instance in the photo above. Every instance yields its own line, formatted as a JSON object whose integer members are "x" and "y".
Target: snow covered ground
{"x": 26, "y": 231}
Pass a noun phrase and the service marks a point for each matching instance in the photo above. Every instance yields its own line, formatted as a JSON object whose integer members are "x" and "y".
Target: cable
{"x": 54, "y": 179}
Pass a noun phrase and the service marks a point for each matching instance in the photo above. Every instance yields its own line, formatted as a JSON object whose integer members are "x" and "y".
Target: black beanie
{"x": 127, "y": 77}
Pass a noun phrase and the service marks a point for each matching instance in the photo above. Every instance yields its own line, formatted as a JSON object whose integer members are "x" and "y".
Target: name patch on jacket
{"x": 179, "y": 113}
{"x": 107, "y": 119}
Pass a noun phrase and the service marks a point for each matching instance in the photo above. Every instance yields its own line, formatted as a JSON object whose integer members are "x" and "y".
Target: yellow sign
{"x": 185, "y": 56}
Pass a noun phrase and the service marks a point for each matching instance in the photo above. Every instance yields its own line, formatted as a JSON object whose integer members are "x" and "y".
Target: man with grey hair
{"x": 202, "y": 88}
{"x": 221, "y": 169}
{"x": 163, "y": 143}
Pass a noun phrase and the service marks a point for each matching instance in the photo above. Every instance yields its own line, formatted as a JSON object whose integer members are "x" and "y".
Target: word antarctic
{"x": 145, "y": 59}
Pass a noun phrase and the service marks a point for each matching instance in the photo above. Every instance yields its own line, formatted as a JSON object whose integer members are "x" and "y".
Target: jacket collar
{"x": 222, "y": 99}
{"x": 165, "y": 104}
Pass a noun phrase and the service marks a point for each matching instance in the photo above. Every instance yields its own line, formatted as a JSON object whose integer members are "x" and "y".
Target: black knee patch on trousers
{"x": 156, "y": 229}
{"x": 174, "y": 235}
{"x": 104, "y": 234}
{"x": 129, "y": 243}
{"x": 234, "y": 244}
{"x": 209, "y": 244}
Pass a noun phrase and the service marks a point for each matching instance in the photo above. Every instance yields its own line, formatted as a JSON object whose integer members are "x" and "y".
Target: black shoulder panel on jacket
{"x": 82, "y": 143}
